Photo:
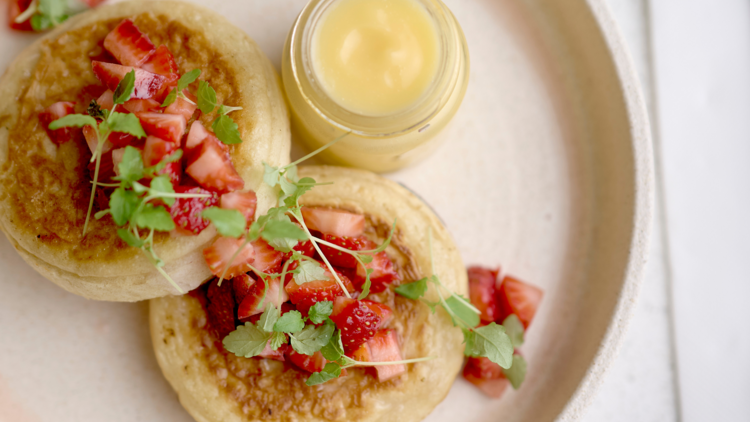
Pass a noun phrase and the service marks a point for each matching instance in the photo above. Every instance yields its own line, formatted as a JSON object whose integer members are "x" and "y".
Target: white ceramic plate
{"x": 546, "y": 171}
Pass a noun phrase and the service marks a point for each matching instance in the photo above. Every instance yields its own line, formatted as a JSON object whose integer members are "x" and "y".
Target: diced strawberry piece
{"x": 91, "y": 140}
{"x": 117, "y": 156}
{"x": 516, "y": 297}
{"x": 308, "y": 294}
{"x": 15, "y": 8}
{"x": 314, "y": 363}
{"x": 244, "y": 202}
{"x": 487, "y": 376}
{"x": 267, "y": 259}
{"x": 147, "y": 84}
{"x": 482, "y": 293}
{"x": 383, "y": 347}
{"x": 254, "y": 304}
{"x": 186, "y": 212}
{"x": 93, "y": 3}
{"x": 306, "y": 248}
{"x": 343, "y": 259}
{"x": 138, "y": 105}
{"x": 336, "y": 222}
{"x": 269, "y": 353}
{"x": 383, "y": 273}
{"x": 106, "y": 100}
{"x": 357, "y": 322}
{"x": 169, "y": 127}
{"x": 196, "y": 135}
{"x": 106, "y": 169}
{"x": 128, "y": 44}
{"x": 220, "y": 308}
{"x": 219, "y": 254}
{"x": 212, "y": 167}
{"x": 182, "y": 107}
{"x": 242, "y": 285}
{"x": 57, "y": 111}
{"x": 155, "y": 150}
{"x": 162, "y": 63}
{"x": 384, "y": 312}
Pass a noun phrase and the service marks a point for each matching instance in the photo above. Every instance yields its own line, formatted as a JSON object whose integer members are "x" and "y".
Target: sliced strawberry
{"x": 482, "y": 292}
{"x": 487, "y": 376}
{"x": 384, "y": 312}
{"x": 162, "y": 63}
{"x": 244, "y": 202}
{"x": 57, "y": 111}
{"x": 128, "y": 44}
{"x": 182, "y": 107}
{"x": 220, "y": 308}
{"x": 269, "y": 353}
{"x": 91, "y": 140}
{"x": 336, "y": 222}
{"x": 267, "y": 259}
{"x": 155, "y": 150}
{"x": 147, "y": 84}
{"x": 306, "y": 248}
{"x": 314, "y": 363}
{"x": 219, "y": 254}
{"x": 383, "y": 347}
{"x": 516, "y": 297}
{"x": 15, "y": 8}
{"x": 308, "y": 294}
{"x": 383, "y": 273}
{"x": 357, "y": 322}
{"x": 106, "y": 100}
{"x": 196, "y": 135}
{"x": 117, "y": 156}
{"x": 343, "y": 259}
{"x": 212, "y": 167}
{"x": 138, "y": 105}
{"x": 186, "y": 212}
{"x": 254, "y": 303}
{"x": 242, "y": 285}
{"x": 169, "y": 127}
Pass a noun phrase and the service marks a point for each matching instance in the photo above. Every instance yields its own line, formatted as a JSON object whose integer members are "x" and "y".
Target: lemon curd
{"x": 375, "y": 57}
{"x": 388, "y": 74}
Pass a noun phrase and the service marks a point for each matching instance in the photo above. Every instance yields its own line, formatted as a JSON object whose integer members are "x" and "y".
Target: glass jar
{"x": 378, "y": 143}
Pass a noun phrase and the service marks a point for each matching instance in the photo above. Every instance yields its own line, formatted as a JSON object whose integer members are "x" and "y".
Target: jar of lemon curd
{"x": 388, "y": 73}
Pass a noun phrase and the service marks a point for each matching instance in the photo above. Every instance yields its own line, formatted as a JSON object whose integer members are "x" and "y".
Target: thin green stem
{"x": 98, "y": 156}
{"x": 396, "y": 362}
{"x": 28, "y": 13}
{"x": 317, "y": 151}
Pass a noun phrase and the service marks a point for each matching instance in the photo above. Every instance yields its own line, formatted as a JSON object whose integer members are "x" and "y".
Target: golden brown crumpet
{"x": 44, "y": 189}
{"x": 216, "y": 386}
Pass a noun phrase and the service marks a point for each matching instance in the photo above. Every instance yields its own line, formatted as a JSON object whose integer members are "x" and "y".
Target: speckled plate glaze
{"x": 546, "y": 170}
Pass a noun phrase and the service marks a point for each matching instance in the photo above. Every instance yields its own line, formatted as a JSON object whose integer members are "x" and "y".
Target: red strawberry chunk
{"x": 219, "y": 254}
{"x": 482, "y": 293}
{"x": 137, "y": 105}
{"x": 336, "y": 222}
{"x": 117, "y": 156}
{"x": 357, "y": 322}
{"x": 128, "y": 44}
{"x": 487, "y": 376}
{"x": 162, "y": 63}
{"x": 267, "y": 259}
{"x": 220, "y": 308}
{"x": 269, "y": 353}
{"x": 15, "y": 8}
{"x": 155, "y": 150}
{"x": 93, "y": 3}
{"x": 244, "y": 202}
{"x": 106, "y": 169}
{"x": 92, "y": 140}
{"x": 242, "y": 285}
{"x": 516, "y": 297}
{"x": 384, "y": 311}
{"x": 343, "y": 259}
{"x": 254, "y": 304}
{"x": 383, "y": 273}
{"x": 182, "y": 107}
{"x": 186, "y": 212}
{"x": 383, "y": 347}
{"x": 57, "y": 111}
{"x": 106, "y": 100}
{"x": 212, "y": 167}
{"x": 147, "y": 84}
{"x": 169, "y": 127}
{"x": 196, "y": 135}
{"x": 306, "y": 248}
{"x": 308, "y": 294}
{"x": 314, "y": 363}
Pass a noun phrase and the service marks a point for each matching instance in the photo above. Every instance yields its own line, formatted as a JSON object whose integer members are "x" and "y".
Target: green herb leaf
{"x": 125, "y": 89}
{"x": 320, "y": 312}
{"x": 517, "y": 371}
{"x": 226, "y": 130}
{"x": 271, "y": 175}
{"x": 290, "y": 322}
{"x": 491, "y": 342}
{"x": 413, "y": 290}
{"x": 286, "y": 186}
{"x": 514, "y": 329}
{"x": 229, "y": 223}
{"x": 329, "y": 372}
{"x": 269, "y": 318}
{"x": 246, "y": 341}
{"x": 334, "y": 350}
{"x": 366, "y": 285}
{"x": 276, "y": 229}
{"x": 462, "y": 311}
{"x": 227, "y": 109}
{"x": 312, "y": 338}
{"x": 163, "y": 185}
{"x": 129, "y": 238}
{"x": 171, "y": 98}
{"x": 126, "y": 123}
{"x": 206, "y": 97}
{"x": 40, "y": 22}
{"x": 122, "y": 204}
{"x": 156, "y": 218}
{"x": 73, "y": 120}
{"x": 277, "y": 339}
{"x": 182, "y": 83}
{"x": 308, "y": 271}
{"x": 131, "y": 166}
{"x": 304, "y": 185}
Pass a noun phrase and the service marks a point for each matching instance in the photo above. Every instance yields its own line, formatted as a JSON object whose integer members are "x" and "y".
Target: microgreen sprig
{"x": 182, "y": 84}
{"x": 44, "y": 14}
{"x": 223, "y": 126}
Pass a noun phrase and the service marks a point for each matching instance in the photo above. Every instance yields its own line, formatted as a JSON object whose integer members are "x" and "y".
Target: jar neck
{"x": 414, "y": 117}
